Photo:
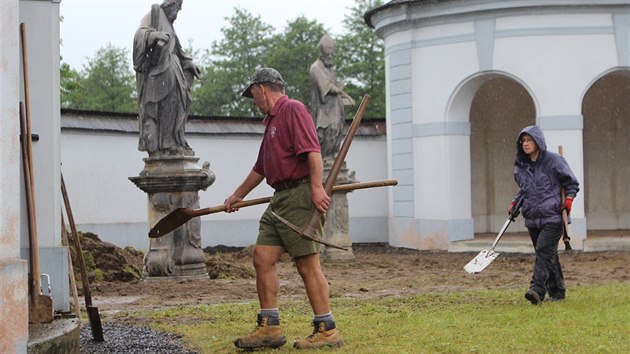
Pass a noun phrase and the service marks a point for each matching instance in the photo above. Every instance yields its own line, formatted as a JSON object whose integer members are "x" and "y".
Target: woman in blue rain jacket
{"x": 541, "y": 175}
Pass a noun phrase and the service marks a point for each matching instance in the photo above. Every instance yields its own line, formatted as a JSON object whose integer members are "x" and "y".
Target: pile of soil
{"x": 105, "y": 261}
{"x": 224, "y": 262}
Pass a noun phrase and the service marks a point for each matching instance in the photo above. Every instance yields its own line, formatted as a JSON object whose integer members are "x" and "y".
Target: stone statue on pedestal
{"x": 171, "y": 176}
{"x": 164, "y": 75}
{"x": 327, "y": 109}
{"x": 328, "y": 100}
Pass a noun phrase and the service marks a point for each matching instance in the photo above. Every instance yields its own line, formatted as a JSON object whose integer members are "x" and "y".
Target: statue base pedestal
{"x": 173, "y": 182}
{"x": 337, "y": 219}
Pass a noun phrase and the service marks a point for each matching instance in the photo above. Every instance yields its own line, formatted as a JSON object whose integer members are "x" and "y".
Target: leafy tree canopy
{"x": 107, "y": 82}
{"x": 361, "y": 58}
{"x": 293, "y": 53}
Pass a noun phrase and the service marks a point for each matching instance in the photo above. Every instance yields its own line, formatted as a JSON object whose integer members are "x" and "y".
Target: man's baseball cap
{"x": 263, "y": 76}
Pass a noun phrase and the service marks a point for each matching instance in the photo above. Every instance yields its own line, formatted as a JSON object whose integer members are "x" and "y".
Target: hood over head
{"x": 536, "y": 133}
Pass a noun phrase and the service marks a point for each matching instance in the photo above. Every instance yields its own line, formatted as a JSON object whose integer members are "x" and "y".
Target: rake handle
{"x": 343, "y": 151}
{"x": 309, "y": 229}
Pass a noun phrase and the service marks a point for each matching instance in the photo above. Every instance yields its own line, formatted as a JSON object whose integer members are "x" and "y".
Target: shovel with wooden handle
{"x": 93, "y": 315}
{"x": 485, "y": 257}
{"x": 180, "y": 216}
{"x": 309, "y": 230}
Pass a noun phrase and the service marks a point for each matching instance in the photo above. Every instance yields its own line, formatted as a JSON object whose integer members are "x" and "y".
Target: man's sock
{"x": 327, "y": 318}
{"x": 273, "y": 316}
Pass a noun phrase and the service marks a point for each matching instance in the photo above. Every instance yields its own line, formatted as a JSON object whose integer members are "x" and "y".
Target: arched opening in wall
{"x": 500, "y": 109}
{"x": 606, "y": 112}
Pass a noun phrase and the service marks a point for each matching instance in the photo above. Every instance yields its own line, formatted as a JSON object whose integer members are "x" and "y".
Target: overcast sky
{"x": 90, "y": 24}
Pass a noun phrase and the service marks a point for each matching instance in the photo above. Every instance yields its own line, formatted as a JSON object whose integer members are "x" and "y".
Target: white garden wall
{"x": 99, "y": 154}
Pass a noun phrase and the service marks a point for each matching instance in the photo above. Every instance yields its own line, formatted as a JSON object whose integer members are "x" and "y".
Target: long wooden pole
{"x": 27, "y": 100}
{"x": 34, "y": 281}
{"x": 28, "y": 142}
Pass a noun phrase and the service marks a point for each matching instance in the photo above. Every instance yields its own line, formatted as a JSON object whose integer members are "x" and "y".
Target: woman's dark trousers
{"x": 548, "y": 275}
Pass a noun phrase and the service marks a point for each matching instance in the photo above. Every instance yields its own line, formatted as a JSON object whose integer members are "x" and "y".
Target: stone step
{"x": 519, "y": 242}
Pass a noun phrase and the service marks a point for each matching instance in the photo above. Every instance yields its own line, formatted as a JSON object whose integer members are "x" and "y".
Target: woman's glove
{"x": 511, "y": 207}
{"x": 567, "y": 204}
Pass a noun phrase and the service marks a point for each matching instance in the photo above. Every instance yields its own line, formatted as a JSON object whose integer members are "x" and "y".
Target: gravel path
{"x": 121, "y": 338}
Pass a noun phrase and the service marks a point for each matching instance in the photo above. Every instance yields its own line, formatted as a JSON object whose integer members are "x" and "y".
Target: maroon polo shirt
{"x": 289, "y": 135}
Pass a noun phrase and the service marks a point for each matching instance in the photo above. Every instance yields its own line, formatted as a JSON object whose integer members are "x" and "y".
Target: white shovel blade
{"x": 481, "y": 261}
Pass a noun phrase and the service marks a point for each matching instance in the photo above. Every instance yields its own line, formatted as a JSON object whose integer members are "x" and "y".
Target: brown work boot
{"x": 324, "y": 335}
{"x": 266, "y": 335}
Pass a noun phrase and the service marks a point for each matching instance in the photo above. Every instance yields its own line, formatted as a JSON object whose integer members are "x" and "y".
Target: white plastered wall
{"x": 97, "y": 166}
{"x": 42, "y": 40}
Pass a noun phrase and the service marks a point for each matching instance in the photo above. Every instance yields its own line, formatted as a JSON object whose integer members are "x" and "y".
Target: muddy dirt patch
{"x": 377, "y": 270}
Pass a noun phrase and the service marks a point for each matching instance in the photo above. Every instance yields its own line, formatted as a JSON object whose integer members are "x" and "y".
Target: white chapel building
{"x": 464, "y": 77}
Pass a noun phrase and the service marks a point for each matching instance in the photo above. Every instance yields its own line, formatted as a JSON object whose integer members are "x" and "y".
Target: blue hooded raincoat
{"x": 540, "y": 181}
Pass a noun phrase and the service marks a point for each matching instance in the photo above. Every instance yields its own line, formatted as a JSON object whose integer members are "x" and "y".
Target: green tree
{"x": 293, "y": 53}
{"x": 361, "y": 59}
{"x": 213, "y": 95}
{"x": 107, "y": 83}
{"x": 230, "y": 64}
{"x": 70, "y": 85}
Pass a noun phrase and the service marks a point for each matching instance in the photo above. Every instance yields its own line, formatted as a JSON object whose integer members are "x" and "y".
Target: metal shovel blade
{"x": 481, "y": 261}
{"x": 95, "y": 323}
{"x": 170, "y": 222}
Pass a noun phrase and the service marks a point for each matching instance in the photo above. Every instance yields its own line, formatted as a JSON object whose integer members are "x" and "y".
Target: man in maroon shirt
{"x": 290, "y": 160}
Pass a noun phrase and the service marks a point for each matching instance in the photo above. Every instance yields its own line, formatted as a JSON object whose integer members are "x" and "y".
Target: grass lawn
{"x": 593, "y": 319}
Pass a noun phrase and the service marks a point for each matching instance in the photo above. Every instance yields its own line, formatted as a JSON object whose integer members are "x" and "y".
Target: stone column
{"x": 173, "y": 182}
{"x": 336, "y": 229}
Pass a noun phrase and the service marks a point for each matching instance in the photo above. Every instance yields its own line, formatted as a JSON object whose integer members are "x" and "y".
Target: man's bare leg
{"x": 267, "y": 281}
{"x": 315, "y": 282}
{"x": 325, "y": 333}
{"x": 268, "y": 333}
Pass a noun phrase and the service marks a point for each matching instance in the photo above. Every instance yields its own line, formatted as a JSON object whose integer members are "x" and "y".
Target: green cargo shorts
{"x": 294, "y": 205}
